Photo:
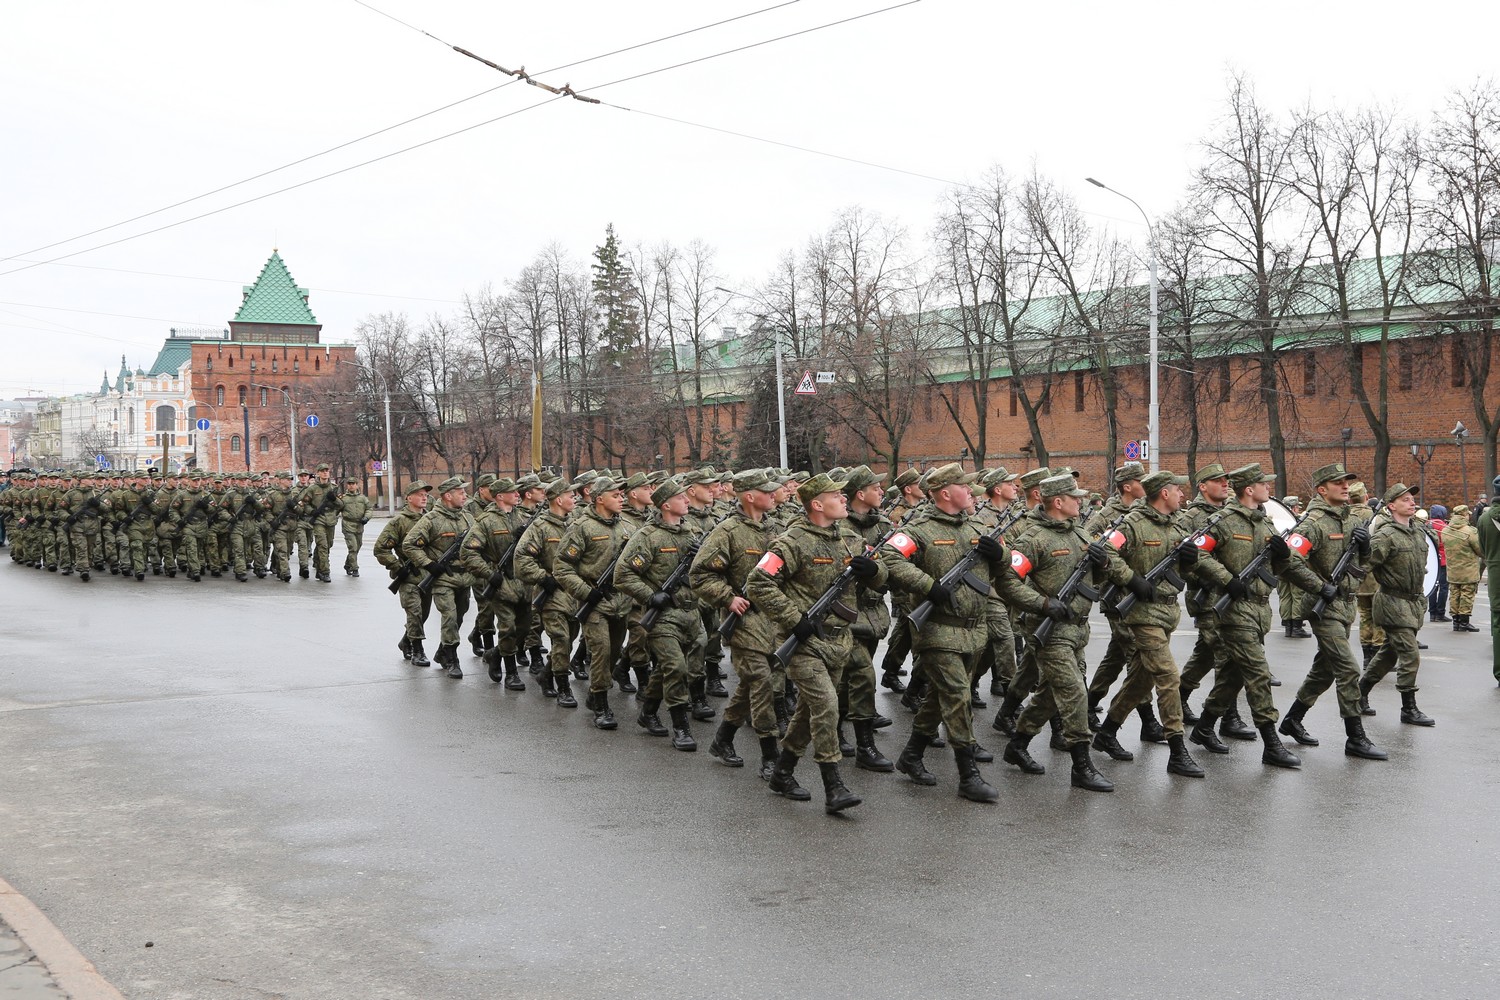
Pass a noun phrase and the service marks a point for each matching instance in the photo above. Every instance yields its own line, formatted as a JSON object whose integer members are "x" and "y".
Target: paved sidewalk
{"x": 37, "y": 962}
{"x": 22, "y": 975}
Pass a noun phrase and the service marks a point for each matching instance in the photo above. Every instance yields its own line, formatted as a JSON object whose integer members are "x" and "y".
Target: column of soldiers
{"x": 194, "y": 523}
{"x": 801, "y": 577}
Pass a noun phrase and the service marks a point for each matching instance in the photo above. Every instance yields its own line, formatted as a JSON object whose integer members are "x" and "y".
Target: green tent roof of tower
{"x": 275, "y": 297}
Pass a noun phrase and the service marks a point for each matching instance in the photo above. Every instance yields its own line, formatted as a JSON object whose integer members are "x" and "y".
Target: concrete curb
{"x": 75, "y": 974}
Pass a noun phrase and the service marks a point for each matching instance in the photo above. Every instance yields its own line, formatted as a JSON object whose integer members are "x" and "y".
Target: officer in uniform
{"x": 585, "y": 569}
{"x": 1289, "y": 602}
{"x": 675, "y": 638}
{"x": 863, "y": 491}
{"x": 1213, "y": 490}
{"x": 718, "y": 575}
{"x": 1330, "y": 530}
{"x": 388, "y": 553}
{"x": 535, "y": 562}
{"x": 354, "y": 514}
{"x": 444, "y": 525}
{"x": 796, "y": 570}
{"x": 1371, "y": 635}
{"x": 1398, "y": 560}
{"x": 1461, "y": 543}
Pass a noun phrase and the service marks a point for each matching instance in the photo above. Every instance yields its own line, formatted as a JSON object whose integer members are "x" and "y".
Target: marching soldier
{"x": 388, "y": 553}
{"x": 438, "y": 536}
{"x": 533, "y": 501}
{"x": 497, "y": 531}
{"x": 1398, "y": 561}
{"x": 1371, "y": 635}
{"x": 1001, "y": 488}
{"x": 535, "y": 563}
{"x": 863, "y": 492}
{"x": 354, "y": 514}
{"x": 1213, "y": 491}
{"x": 585, "y": 569}
{"x": 318, "y": 506}
{"x": 1289, "y": 603}
{"x": 637, "y": 513}
{"x": 1128, "y": 494}
{"x": 899, "y": 646}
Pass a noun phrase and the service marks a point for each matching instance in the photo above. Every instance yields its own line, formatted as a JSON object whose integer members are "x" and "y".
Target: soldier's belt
{"x": 1402, "y": 595}
{"x": 955, "y": 620}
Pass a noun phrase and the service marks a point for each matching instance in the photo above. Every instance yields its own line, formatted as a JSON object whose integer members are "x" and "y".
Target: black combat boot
{"x": 892, "y": 681}
{"x": 1189, "y": 717}
{"x": 1005, "y": 719}
{"x": 982, "y": 755}
{"x": 910, "y": 761}
{"x": 405, "y": 646}
{"x": 603, "y": 717}
{"x": 454, "y": 670}
{"x": 1107, "y": 742}
{"x": 698, "y": 704}
{"x": 647, "y": 719}
{"x": 83, "y": 574}
{"x": 1017, "y": 754}
{"x": 845, "y": 747}
{"x": 1365, "y": 687}
{"x": 643, "y": 675}
{"x": 971, "y": 784}
{"x": 418, "y": 657}
{"x": 538, "y": 664}
{"x": 1299, "y": 630}
{"x": 997, "y": 685}
{"x": 1234, "y": 727}
{"x": 304, "y": 572}
{"x": 1057, "y": 742}
{"x": 1461, "y": 623}
{"x": 1357, "y": 744}
{"x": 565, "y": 697}
{"x": 682, "y": 735}
{"x": 916, "y": 691}
{"x": 1291, "y": 725}
{"x": 881, "y": 722}
{"x": 836, "y": 795}
{"x": 1094, "y": 721}
{"x": 1275, "y": 754}
{"x": 513, "y": 680}
{"x": 621, "y": 674}
{"x": 139, "y": 576}
{"x": 867, "y": 755}
{"x": 784, "y": 782}
{"x": 476, "y": 642}
{"x": 975, "y": 701}
{"x": 241, "y": 577}
{"x": 723, "y": 745}
{"x": 494, "y": 668}
{"x": 778, "y": 704}
{"x": 1085, "y": 774}
{"x": 1203, "y": 734}
{"x": 1151, "y": 730}
{"x": 545, "y": 685}
{"x": 1180, "y": 761}
{"x": 580, "y": 661}
{"x": 1367, "y": 651}
{"x": 714, "y": 685}
{"x": 767, "y": 757}
{"x": 1411, "y": 714}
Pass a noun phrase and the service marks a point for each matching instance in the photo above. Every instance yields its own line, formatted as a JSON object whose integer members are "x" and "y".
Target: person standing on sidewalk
{"x": 1461, "y": 543}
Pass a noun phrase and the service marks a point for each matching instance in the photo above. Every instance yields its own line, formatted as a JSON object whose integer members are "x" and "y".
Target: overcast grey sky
{"x": 109, "y": 110}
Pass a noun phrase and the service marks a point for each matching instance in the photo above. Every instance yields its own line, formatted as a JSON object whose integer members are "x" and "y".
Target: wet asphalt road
{"x": 249, "y": 778}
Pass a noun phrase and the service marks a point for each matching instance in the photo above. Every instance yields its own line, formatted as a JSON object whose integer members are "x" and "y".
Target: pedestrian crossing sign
{"x": 806, "y": 387}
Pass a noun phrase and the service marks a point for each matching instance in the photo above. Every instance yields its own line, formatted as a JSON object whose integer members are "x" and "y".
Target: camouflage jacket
{"x": 720, "y": 569}
{"x": 874, "y": 617}
{"x": 1238, "y": 538}
{"x": 649, "y": 557}
{"x": 1461, "y": 541}
{"x": 388, "y": 545}
{"x": 537, "y": 557}
{"x": 1325, "y": 533}
{"x": 798, "y": 567}
{"x": 589, "y": 545}
{"x": 927, "y": 546}
{"x": 1398, "y": 559}
{"x": 1045, "y": 559}
{"x": 431, "y": 537}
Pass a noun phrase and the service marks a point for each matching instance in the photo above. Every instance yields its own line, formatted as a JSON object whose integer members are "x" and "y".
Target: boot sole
{"x": 1365, "y": 755}
{"x": 1092, "y": 787}
{"x": 1210, "y": 747}
{"x": 1303, "y": 739}
{"x": 884, "y": 767}
{"x": 1196, "y": 772}
{"x": 1033, "y": 768}
{"x": 1423, "y": 722}
{"x": 1280, "y": 762}
{"x": 991, "y": 796}
{"x": 924, "y": 778}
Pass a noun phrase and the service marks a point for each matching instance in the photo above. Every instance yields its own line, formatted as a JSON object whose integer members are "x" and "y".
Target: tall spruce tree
{"x": 613, "y": 291}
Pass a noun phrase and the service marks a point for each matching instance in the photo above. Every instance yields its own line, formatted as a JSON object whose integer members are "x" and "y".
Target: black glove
{"x": 1188, "y": 557}
{"x": 988, "y": 549}
{"x": 805, "y": 629}
{"x": 549, "y": 584}
{"x": 939, "y": 594}
{"x": 660, "y": 600}
{"x": 1099, "y": 554}
{"x": 1056, "y": 610}
{"x": 1330, "y": 592}
{"x": 1278, "y": 547}
{"x": 1140, "y": 587}
{"x": 596, "y": 596}
{"x": 1237, "y": 588}
{"x": 1360, "y": 538}
{"x": 864, "y": 567}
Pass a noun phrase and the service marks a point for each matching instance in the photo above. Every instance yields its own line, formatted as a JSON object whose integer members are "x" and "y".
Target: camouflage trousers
{"x": 1206, "y": 653}
{"x": 675, "y": 646}
{"x": 816, "y": 719}
{"x": 1370, "y": 634}
{"x": 417, "y": 606}
{"x": 1333, "y": 666}
{"x": 451, "y": 601}
{"x": 947, "y": 672}
{"x": 1245, "y": 667}
{"x": 1398, "y": 652}
{"x": 88, "y": 546}
{"x": 561, "y": 630}
{"x": 1117, "y": 655}
{"x": 354, "y": 539}
{"x": 754, "y": 697}
{"x": 604, "y": 638}
{"x": 857, "y": 683}
{"x": 1461, "y": 598}
{"x": 1060, "y": 692}
{"x": 1151, "y": 666}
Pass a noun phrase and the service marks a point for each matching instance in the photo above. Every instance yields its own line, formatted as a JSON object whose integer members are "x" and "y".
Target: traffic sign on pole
{"x": 1132, "y": 451}
{"x": 202, "y": 424}
{"x": 312, "y": 420}
{"x": 806, "y": 387}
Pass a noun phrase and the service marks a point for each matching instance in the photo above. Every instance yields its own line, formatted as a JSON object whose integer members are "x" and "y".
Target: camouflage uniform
{"x": 1398, "y": 560}
{"x": 414, "y": 603}
{"x": 588, "y": 547}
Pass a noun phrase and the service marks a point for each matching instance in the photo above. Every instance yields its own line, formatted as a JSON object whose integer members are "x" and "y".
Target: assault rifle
{"x": 249, "y": 506}
{"x": 1347, "y": 566}
{"x": 603, "y": 587}
{"x": 1166, "y": 568}
{"x": 1074, "y": 585}
{"x": 141, "y": 507}
{"x": 828, "y": 603}
{"x": 329, "y": 494}
{"x": 680, "y": 573}
{"x": 1256, "y": 569}
{"x": 403, "y": 573}
{"x": 72, "y": 519}
{"x": 962, "y": 572}
{"x": 503, "y": 568}
{"x": 441, "y": 564}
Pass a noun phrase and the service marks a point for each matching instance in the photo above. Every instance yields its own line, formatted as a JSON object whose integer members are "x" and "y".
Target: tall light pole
{"x": 1460, "y": 432}
{"x": 780, "y": 384}
{"x": 1153, "y": 412}
{"x": 291, "y": 422}
{"x": 390, "y": 472}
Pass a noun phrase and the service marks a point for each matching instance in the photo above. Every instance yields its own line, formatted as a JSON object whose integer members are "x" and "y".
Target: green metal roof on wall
{"x": 275, "y": 297}
{"x": 174, "y": 353}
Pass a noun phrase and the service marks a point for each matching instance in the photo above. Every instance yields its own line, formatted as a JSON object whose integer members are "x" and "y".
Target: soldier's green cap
{"x": 1248, "y": 475}
{"x": 546, "y": 476}
{"x": 693, "y": 477}
{"x": 637, "y": 480}
{"x": 585, "y": 479}
{"x": 485, "y": 480}
{"x": 1129, "y": 471}
{"x": 1292, "y": 501}
{"x": 348, "y": 480}
{"x": 816, "y": 486}
{"x": 726, "y": 477}
{"x": 666, "y": 491}
{"x": 1214, "y": 471}
{"x": 1061, "y": 486}
{"x": 323, "y": 466}
{"x": 996, "y": 476}
{"x": 288, "y": 475}
{"x": 452, "y": 483}
{"x": 417, "y": 486}
{"x": 858, "y": 478}
{"x": 1331, "y": 474}
{"x": 1398, "y": 491}
{"x": 304, "y": 472}
{"x": 839, "y": 472}
{"x": 801, "y": 475}
{"x": 503, "y": 484}
{"x": 708, "y": 469}
{"x": 951, "y": 474}
{"x": 1462, "y": 508}
{"x": 605, "y": 484}
{"x": 1095, "y": 497}
{"x": 558, "y": 487}
{"x": 1032, "y": 479}
{"x": 1358, "y": 489}
{"x": 530, "y": 481}
{"x": 1154, "y": 483}
{"x": 657, "y": 476}
{"x": 907, "y": 478}
{"x": 754, "y": 479}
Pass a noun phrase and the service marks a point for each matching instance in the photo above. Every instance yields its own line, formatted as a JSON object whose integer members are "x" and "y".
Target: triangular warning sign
{"x": 806, "y": 387}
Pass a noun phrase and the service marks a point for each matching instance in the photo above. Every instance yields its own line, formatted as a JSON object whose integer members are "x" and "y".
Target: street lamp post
{"x": 218, "y": 437}
{"x": 1153, "y": 412}
{"x": 291, "y": 423}
{"x": 390, "y": 456}
{"x": 780, "y": 384}
{"x": 1460, "y": 432}
{"x": 1345, "y": 435}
